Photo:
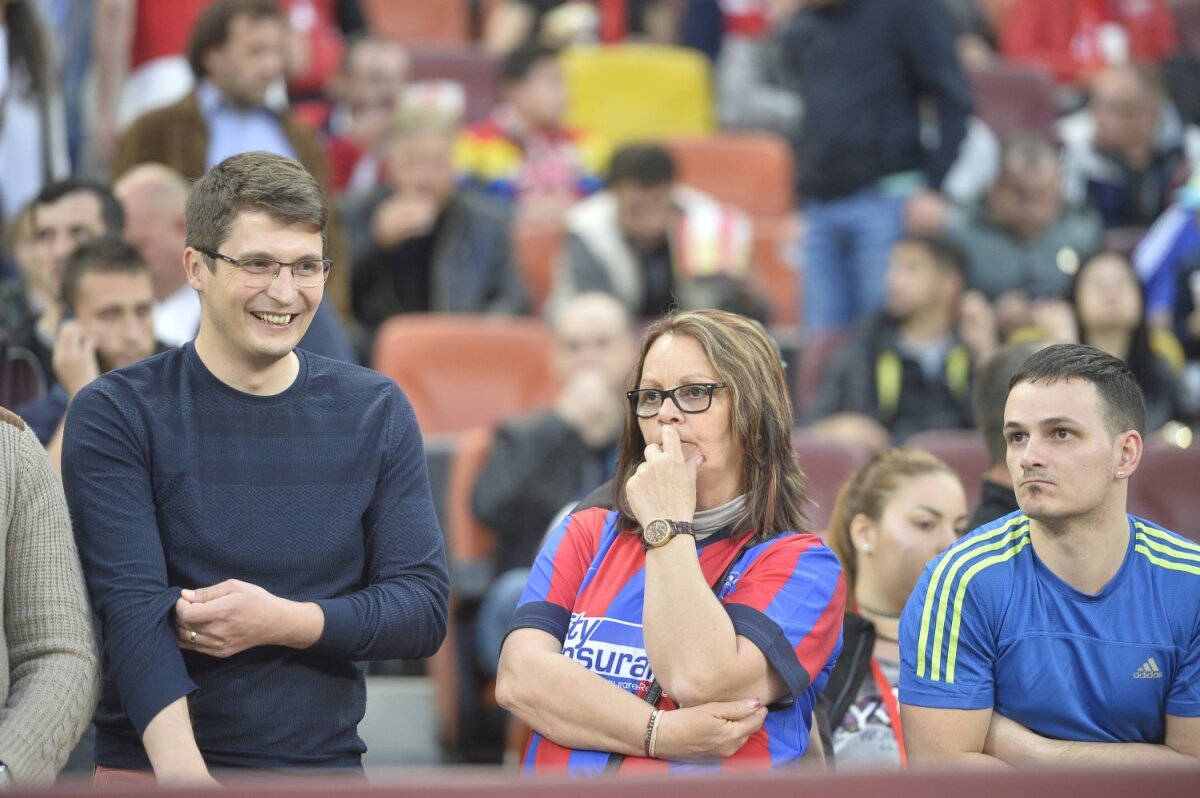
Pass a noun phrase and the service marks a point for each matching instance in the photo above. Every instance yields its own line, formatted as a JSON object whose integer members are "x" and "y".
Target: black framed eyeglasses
{"x": 260, "y": 272}
{"x": 694, "y": 397}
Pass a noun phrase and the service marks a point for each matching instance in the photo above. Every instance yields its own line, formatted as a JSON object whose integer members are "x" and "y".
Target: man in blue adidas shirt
{"x": 1067, "y": 633}
{"x": 254, "y": 520}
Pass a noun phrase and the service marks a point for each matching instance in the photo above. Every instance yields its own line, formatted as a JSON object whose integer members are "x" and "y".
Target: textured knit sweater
{"x": 318, "y": 493}
{"x": 48, "y": 660}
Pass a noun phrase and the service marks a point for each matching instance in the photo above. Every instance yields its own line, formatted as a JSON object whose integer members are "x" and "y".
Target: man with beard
{"x": 909, "y": 368}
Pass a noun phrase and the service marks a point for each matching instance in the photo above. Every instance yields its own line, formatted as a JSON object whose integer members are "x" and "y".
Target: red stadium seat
{"x": 815, "y": 357}
{"x": 538, "y": 246}
{"x": 1163, "y": 489}
{"x": 751, "y": 171}
{"x": 1012, "y": 97}
{"x": 961, "y": 449}
{"x": 827, "y": 465}
{"x": 463, "y": 371}
{"x": 420, "y": 21}
{"x": 1187, "y": 27}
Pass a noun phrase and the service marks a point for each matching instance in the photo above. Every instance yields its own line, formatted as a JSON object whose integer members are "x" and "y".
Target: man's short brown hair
{"x": 213, "y": 24}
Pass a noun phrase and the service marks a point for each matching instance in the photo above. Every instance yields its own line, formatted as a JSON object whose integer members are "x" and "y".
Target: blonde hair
{"x": 867, "y": 492}
{"x": 748, "y": 362}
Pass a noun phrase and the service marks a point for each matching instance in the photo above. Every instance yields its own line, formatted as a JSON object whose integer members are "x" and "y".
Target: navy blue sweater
{"x": 862, "y": 66}
{"x": 320, "y": 493}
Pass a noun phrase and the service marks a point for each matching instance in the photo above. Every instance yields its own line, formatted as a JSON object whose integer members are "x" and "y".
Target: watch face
{"x": 656, "y": 533}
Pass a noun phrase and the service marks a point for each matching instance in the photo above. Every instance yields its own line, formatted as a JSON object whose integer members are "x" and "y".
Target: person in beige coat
{"x": 48, "y": 663}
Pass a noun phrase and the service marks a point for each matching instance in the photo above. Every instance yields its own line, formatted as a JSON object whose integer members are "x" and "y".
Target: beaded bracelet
{"x": 652, "y": 732}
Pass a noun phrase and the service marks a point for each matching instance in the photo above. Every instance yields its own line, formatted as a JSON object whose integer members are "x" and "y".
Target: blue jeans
{"x": 845, "y": 255}
{"x": 495, "y": 613}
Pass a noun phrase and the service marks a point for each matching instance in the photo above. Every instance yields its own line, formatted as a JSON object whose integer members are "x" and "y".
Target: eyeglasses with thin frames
{"x": 261, "y": 272}
{"x": 694, "y": 397}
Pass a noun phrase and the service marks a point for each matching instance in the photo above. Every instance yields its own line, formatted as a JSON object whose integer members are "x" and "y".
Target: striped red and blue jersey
{"x": 786, "y": 595}
{"x": 989, "y": 625}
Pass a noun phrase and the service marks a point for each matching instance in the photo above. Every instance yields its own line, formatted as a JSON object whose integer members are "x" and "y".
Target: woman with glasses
{"x": 695, "y": 624}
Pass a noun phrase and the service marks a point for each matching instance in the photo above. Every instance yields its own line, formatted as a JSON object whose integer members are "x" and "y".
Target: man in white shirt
{"x": 154, "y": 196}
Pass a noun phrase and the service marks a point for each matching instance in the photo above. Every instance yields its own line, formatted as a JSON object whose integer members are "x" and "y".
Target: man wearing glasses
{"x": 254, "y": 520}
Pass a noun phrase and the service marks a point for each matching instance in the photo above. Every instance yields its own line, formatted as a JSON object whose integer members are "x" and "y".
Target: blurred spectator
{"x": 1129, "y": 150}
{"x": 543, "y": 463}
{"x": 558, "y": 23}
{"x": 751, "y": 82}
{"x": 1168, "y": 262}
{"x": 25, "y": 295}
{"x": 65, "y": 215}
{"x": 316, "y": 43}
{"x": 1074, "y": 39}
{"x": 421, "y": 243}
{"x": 523, "y": 153}
{"x": 1024, "y": 242}
{"x": 655, "y": 244}
{"x": 893, "y": 516}
{"x": 109, "y": 295}
{"x": 154, "y": 197}
{"x": 237, "y": 53}
{"x": 997, "y": 498}
{"x": 70, "y": 27}
{"x": 33, "y": 143}
{"x": 909, "y": 367}
{"x": 367, "y": 90}
{"x": 48, "y": 658}
{"x": 974, "y": 38}
{"x": 865, "y": 68}
{"x": 138, "y": 48}
{"x": 1109, "y": 305}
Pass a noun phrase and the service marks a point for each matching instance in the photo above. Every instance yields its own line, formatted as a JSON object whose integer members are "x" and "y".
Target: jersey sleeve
{"x": 1184, "y": 699}
{"x": 947, "y": 651}
{"x": 559, "y": 573}
{"x": 788, "y": 600}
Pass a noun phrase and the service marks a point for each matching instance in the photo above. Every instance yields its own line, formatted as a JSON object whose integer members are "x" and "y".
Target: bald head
{"x": 154, "y": 197}
{"x": 593, "y": 331}
{"x": 1125, "y": 104}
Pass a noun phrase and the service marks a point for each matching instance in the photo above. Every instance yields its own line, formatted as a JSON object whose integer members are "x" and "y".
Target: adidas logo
{"x": 1149, "y": 670}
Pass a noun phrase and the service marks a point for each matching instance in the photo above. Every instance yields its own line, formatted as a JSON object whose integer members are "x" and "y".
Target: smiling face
{"x": 1062, "y": 456}
{"x": 920, "y": 519}
{"x": 254, "y": 327}
{"x": 674, "y": 360}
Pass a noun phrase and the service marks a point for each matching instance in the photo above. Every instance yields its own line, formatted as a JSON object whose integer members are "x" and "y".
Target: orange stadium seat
{"x": 774, "y": 272}
{"x": 827, "y": 465}
{"x": 463, "y": 371}
{"x": 1163, "y": 489}
{"x": 538, "y": 246}
{"x": 420, "y": 21}
{"x": 469, "y": 67}
{"x": 751, "y": 171}
{"x": 637, "y": 91}
{"x": 1011, "y": 97}
{"x": 962, "y": 450}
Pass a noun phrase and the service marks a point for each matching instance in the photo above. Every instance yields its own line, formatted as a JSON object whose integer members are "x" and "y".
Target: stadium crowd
{"x": 671, "y": 384}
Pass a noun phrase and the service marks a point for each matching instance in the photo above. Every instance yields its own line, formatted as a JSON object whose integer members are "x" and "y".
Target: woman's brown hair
{"x": 867, "y": 492}
{"x": 748, "y": 362}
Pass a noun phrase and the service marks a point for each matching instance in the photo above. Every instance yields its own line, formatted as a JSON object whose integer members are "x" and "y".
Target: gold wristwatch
{"x": 659, "y": 532}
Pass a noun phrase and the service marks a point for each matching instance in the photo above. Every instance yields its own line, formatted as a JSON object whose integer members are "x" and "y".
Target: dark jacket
{"x": 869, "y": 375}
{"x": 537, "y": 466}
{"x": 863, "y": 66}
{"x": 473, "y": 270}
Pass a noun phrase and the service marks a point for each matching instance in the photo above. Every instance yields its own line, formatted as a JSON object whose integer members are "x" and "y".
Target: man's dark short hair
{"x": 645, "y": 165}
{"x": 945, "y": 253}
{"x": 991, "y": 394}
{"x": 104, "y": 255}
{"x": 253, "y": 181}
{"x": 517, "y": 65}
{"x": 1124, "y": 404}
{"x": 111, "y": 212}
{"x": 212, "y": 27}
